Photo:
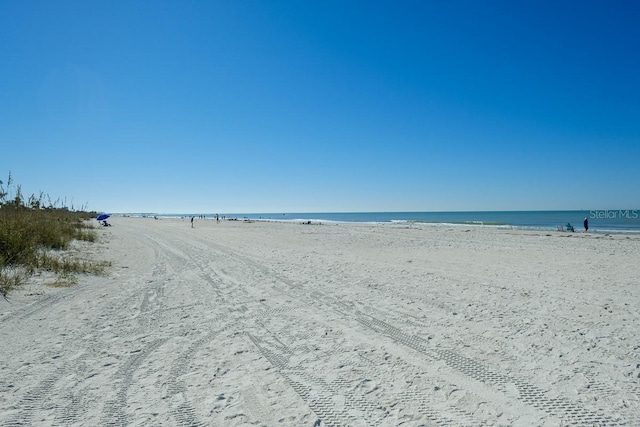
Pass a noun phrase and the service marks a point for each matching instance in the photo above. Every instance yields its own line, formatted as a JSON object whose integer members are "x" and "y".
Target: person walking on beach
{"x": 586, "y": 224}
{"x": 191, "y": 222}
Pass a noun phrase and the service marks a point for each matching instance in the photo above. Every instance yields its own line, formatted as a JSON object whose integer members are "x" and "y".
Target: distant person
{"x": 570, "y": 227}
{"x": 192, "y": 222}
{"x": 586, "y": 224}
{"x": 217, "y": 218}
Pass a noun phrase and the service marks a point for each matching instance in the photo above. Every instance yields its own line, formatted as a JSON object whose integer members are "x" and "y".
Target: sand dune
{"x": 281, "y": 324}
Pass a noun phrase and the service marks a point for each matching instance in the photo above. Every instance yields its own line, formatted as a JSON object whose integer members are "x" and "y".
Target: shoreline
{"x": 623, "y": 222}
{"x": 411, "y": 224}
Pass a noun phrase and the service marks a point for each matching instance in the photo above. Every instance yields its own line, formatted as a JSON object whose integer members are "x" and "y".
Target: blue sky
{"x": 311, "y": 106}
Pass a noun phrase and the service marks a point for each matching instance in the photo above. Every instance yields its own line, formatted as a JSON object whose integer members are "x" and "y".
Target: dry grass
{"x": 34, "y": 237}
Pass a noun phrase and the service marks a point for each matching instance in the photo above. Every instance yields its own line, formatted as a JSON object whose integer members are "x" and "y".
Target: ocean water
{"x": 600, "y": 221}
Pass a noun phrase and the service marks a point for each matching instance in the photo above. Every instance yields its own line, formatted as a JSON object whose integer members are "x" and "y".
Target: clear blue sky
{"x": 306, "y": 106}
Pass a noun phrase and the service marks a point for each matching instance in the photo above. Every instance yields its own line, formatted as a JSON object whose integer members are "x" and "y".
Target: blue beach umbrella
{"x": 102, "y": 217}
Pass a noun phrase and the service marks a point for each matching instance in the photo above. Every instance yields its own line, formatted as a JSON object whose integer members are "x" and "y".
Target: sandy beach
{"x": 283, "y": 324}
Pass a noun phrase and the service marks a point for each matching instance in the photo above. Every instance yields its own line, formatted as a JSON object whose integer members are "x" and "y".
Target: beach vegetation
{"x": 36, "y": 234}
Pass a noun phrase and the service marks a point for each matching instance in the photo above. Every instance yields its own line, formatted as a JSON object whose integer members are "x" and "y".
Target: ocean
{"x": 600, "y": 221}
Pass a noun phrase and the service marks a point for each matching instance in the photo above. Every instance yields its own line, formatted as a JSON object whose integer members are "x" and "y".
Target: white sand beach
{"x": 284, "y": 324}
